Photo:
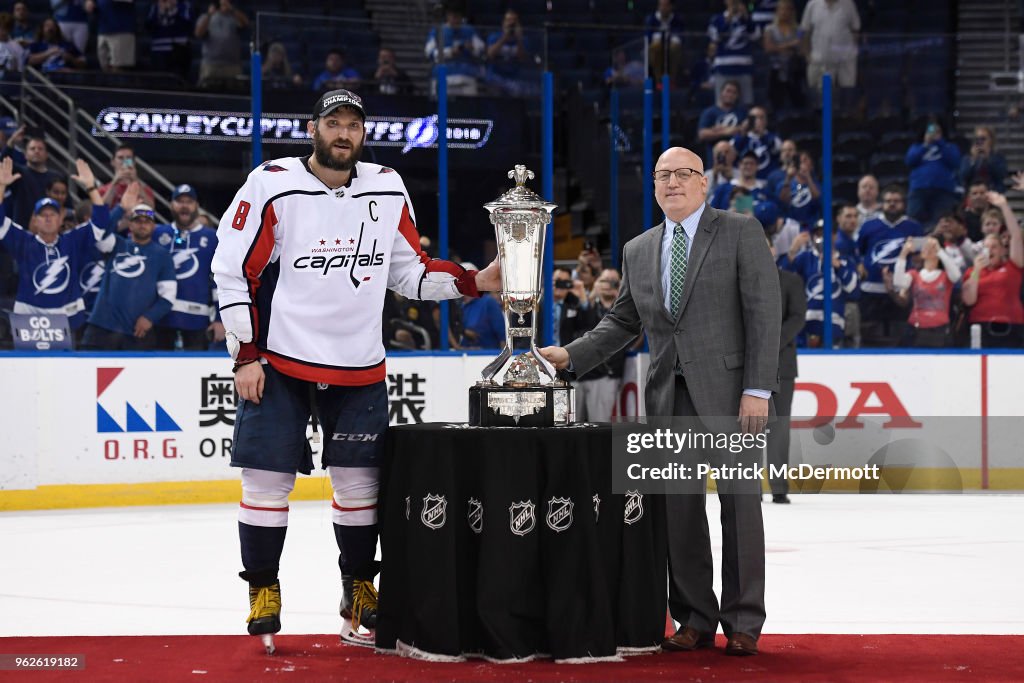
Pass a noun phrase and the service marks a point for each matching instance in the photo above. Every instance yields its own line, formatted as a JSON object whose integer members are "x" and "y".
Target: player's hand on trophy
{"x": 489, "y": 279}
{"x": 249, "y": 381}
{"x": 557, "y": 356}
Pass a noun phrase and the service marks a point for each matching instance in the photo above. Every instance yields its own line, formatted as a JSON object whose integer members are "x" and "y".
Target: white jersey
{"x": 301, "y": 269}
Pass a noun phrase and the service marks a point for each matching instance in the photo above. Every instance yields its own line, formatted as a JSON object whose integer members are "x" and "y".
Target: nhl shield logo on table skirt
{"x": 521, "y": 518}
{"x": 559, "y": 516}
{"x": 433, "y": 516}
{"x": 634, "y": 507}
{"x": 475, "y": 515}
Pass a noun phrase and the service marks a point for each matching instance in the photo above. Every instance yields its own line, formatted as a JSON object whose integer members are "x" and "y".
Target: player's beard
{"x": 324, "y": 154}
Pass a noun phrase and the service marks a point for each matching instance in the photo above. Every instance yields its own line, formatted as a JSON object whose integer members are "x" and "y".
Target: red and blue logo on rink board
{"x": 134, "y": 422}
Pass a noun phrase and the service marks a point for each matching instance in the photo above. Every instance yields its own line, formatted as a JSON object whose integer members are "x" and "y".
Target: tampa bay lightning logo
{"x": 52, "y": 277}
{"x": 129, "y": 265}
{"x": 738, "y": 37}
{"x": 421, "y": 133}
{"x": 815, "y": 289}
{"x": 185, "y": 263}
{"x": 90, "y": 277}
{"x": 884, "y": 253}
{"x": 802, "y": 197}
{"x": 728, "y": 120}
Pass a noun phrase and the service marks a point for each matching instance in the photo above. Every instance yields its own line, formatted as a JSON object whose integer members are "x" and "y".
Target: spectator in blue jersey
{"x": 879, "y": 242}
{"x": 336, "y": 73}
{"x": 170, "y": 24}
{"x": 800, "y": 193}
{"x": 847, "y": 221}
{"x": 194, "y": 313}
{"x": 510, "y": 59}
{"x": 462, "y": 50}
{"x": 73, "y": 21}
{"x": 50, "y": 53}
{"x": 722, "y": 121}
{"x": 138, "y": 290}
{"x": 483, "y": 324}
{"x": 50, "y": 263}
{"x": 746, "y": 180}
{"x": 665, "y": 39}
{"x": 115, "y": 33}
{"x": 759, "y": 140}
{"x": 23, "y": 31}
{"x": 806, "y": 259}
{"x": 933, "y": 163}
{"x": 735, "y": 33}
{"x": 34, "y": 177}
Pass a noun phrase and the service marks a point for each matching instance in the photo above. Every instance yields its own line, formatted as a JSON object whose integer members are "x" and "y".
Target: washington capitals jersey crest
{"x": 301, "y": 268}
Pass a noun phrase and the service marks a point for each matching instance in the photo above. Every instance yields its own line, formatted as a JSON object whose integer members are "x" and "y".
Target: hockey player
{"x": 50, "y": 264}
{"x": 306, "y": 252}
{"x": 192, "y": 245}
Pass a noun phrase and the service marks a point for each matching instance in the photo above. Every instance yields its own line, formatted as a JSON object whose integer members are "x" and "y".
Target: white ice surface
{"x": 835, "y": 564}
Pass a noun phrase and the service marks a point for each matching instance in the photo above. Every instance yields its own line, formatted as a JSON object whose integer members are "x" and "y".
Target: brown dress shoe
{"x": 688, "y": 639}
{"x": 740, "y": 645}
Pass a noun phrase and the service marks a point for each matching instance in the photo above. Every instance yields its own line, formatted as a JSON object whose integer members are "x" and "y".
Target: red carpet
{"x": 230, "y": 659}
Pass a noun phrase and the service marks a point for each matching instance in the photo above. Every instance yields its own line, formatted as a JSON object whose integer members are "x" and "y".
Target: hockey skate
{"x": 265, "y": 614}
{"x": 358, "y": 611}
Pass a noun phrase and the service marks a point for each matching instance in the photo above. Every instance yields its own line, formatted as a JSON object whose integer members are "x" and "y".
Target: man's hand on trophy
{"x": 489, "y": 279}
{"x": 557, "y": 356}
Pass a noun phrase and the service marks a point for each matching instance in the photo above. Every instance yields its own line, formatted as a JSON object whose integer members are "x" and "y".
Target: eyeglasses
{"x": 681, "y": 174}
{"x": 610, "y": 283}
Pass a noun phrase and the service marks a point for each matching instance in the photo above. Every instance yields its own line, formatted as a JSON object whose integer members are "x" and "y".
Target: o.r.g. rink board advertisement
{"x": 102, "y": 420}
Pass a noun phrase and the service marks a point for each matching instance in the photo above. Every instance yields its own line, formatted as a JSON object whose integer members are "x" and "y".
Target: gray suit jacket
{"x": 726, "y": 338}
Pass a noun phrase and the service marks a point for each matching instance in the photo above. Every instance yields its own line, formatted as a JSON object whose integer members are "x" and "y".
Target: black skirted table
{"x": 507, "y": 543}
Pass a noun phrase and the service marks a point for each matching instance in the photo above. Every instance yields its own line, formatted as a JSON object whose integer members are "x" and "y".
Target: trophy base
{"x": 543, "y": 406}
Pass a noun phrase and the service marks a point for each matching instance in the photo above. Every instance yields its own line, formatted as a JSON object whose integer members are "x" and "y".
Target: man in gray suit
{"x": 703, "y": 286}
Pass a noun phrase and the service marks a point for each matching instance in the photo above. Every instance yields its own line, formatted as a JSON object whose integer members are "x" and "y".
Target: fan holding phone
{"x": 928, "y": 288}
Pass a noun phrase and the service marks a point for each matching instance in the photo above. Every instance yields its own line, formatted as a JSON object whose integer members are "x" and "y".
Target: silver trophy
{"x": 520, "y": 387}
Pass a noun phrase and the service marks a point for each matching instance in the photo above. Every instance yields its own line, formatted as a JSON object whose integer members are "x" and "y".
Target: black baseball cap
{"x": 330, "y": 101}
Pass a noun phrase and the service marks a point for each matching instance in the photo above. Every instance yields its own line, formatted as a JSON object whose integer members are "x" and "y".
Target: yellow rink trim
{"x": 67, "y": 496}
{"x": 70, "y": 496}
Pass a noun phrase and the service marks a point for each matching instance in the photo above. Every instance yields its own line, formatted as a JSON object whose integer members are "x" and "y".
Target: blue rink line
{"x": 493, "y": 352}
